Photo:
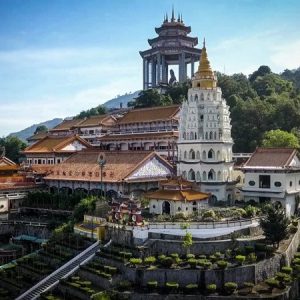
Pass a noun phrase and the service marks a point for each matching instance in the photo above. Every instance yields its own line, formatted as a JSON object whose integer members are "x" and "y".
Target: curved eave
{"x": 168, "y": 37}
{"x": 152, "y": 51}
{"x": 170, "y": 25}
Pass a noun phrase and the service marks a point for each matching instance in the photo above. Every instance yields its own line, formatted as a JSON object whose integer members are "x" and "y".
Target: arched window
{"x": 195, "y": 135}
{"x": 204, "y": 175}
{"x": 185, "y": 155}
{"x": 215, "y": 135}
{"x": 184, "y": 174}
{"x": 201, "y": 118}
{"x": 206, "y": 135}
{"x": 191, "y": 136}
{"x": 198, "y": 177}
{"x": 211, "y": 154}
{"x": 196, "y": 98}
{"x": 211, "y": 135}
{"x": 191, "y": 175}
{"x": 219, "y": 176}
{"x": 198, "y": 155}
{"x": 211, "y": 175}
{"x": 203, "y": 155}
{"x": 192, "y": 154}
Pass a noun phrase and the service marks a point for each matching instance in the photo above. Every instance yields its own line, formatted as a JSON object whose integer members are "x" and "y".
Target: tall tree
{"x": 151, "y": 98}
{"x": 13, "y": 147}
{"x": 275, "y": 225}
{"x": 41, "y": 128}
{"x": 280, "y": 138}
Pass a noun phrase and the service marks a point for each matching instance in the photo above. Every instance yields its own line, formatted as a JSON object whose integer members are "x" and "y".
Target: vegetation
{"x": 13, "y": 147}
{"x": 280, "y": 138}
{"x": 275, "y": 225}
{"x": 98, "y": 110}
{"x": 41, "y": 128}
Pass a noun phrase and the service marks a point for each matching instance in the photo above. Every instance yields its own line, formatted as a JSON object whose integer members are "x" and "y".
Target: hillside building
{"x": 205, "y": 143}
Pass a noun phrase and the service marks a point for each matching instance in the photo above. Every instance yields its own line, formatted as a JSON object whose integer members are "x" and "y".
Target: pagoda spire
{"x": 178, "y": 19}
{"x": 205, "y": 76}
{"x": 181, "y": 20}
{"x": 173, "y": 18}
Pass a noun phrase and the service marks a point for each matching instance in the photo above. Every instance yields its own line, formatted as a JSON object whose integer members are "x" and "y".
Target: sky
{"x": 59, "y": 57}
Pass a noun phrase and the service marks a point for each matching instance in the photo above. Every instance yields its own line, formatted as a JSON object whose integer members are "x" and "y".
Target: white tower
{"x": 205, "y": 143}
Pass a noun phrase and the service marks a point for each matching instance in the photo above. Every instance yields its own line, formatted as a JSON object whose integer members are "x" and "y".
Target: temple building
{"x": 177, "y": 196}
{"x": 205, "y": 143}
{"x": 173, "y": 46}
{"x": 112, "y": 173}
{"x": 273, "y": 174}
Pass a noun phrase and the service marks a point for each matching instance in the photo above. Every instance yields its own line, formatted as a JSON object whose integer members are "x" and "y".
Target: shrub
{"x": 211, "y": 288}
{"x": 172, "y": 286}
{"x": 230, "y": 287}
{"x": 252, "y": 258}
{"x": 193, "y": 262}
{"x": 249, "y": 249}
{"x": 136, "y": 261}
{"x": 111, "y": 270}
{"x": 124, "y": 285}
{"x": 293, "y": 229}
{"x": 161, "y": 258}
{"x": 126, "y": 255}
{"x": 295, "y": 223}
{"x": 152, "y": 284}
{"x": 202, "y": 256}
{"x": 250, "y": 211}
{"x": 240, "y": 259}
{"x": 287, "y": 270}
{"x": 296, "y": 261}
{"x": 213, "y": 258}
{"x": 207, "y": 265}
{"x": 222, "y": 264}
{"x": 297, "y": 255}
{"x": 188, "y": 256}
{"x": 150, "y": 260}
{"x": 174, "y": 255}
{"x": 218, "y": 254}
{"x": 248, "y": 284}
{"x": 167, "y": 262}
{"x": 209, "y": 215}
{"x": 192, "y": 288}
{"x": 272, "y": 283}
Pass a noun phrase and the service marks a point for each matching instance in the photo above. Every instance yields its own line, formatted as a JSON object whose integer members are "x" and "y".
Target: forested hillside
{"x": 259, "y": 103}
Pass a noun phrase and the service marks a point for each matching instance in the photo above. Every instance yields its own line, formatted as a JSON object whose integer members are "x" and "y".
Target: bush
{"x": 249, "y": 249}
{"x": 296, "y": 261}
{"x": 295, "y": 223}
{"x": 136, "y": 261}
{"x": 230, "y": 287}
{"x": 297, "y": 255}
{"x": 287, "y": 270}
{"x": 126, "y": 255}
{"x": 174, "y": 255}
{"x": 124, "y": 285}
{"x": 188, "y": 256}
{"x": 273, "y": 283}
{"x": 211, "y": 288}
{"x": 222, "y": 264}
{"x": 193, "y": 262}
{"x": 167, "y": 262}
{"x": 218, "y": 254}
{"x": 150, "y": 260}
{"x": 202, "y": 256}
{"x": 161, "y": 258}
{"x": 191, "y": 288}
{"x": 209, "y": 215}
{"x": 250, "y": 211}
{"x": 204, "y": 263}
{"x": 213, "y": 258}
{"x": 293, "y": 229}
{"x": 172, "y": 286}
{"x": 152, "y": 284}
{"x": 248, "y": 284}
{"x": 240, "y": 259}
{"x": 252, "y": 258}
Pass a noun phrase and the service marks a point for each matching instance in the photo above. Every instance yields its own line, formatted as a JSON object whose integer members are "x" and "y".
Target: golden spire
{"x": 204, "y": 77}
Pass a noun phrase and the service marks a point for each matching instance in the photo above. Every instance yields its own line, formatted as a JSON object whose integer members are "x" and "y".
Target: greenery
{"x": 275, "y": 225}
{"x": 41, "y": 128}
{"x": 230, "y": 287}
{"x": 280, "y": 138}
{"x": 222, "y": 264}
{"x": 13, "y": 147}
{"x": 240, "y": 259}
{"x": 98, "y": 110}
{"x": 211, "y": 288}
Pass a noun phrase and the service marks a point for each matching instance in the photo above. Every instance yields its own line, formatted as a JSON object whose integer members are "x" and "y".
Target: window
{"x": 251, "y": 183}
{"x": 291, "y": 183}
{"x": 192, "y": 154}
{"x": 191, "y": 175}
{"x": 203, "y": 155}
{"x": 179, "y": 209}
{"x": 277, "y": 183}
{"x": 211, "y": 175}
{"x": 153, "y": 206}
{"x": 264, "y": 181}
{"x": 211, "y": 154}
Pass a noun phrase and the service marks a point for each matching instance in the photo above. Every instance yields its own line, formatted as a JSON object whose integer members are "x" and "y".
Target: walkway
{"x": 64, "y": 271}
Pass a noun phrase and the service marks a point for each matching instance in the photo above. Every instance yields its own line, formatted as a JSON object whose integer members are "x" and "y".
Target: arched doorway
{"x": 166, "y": 208}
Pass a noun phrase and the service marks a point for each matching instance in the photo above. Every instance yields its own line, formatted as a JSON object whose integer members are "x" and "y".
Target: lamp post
{"x": 101, "y": 162}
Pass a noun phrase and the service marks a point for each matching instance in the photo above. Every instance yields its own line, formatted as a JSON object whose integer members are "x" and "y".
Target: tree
{"x": 187, "y": 239}
{"x": 280, "y": 138}
{"x": 261, "y": 71}
{"x": 95, "y": 111}
{"x": 41, "y": 128}
{"x": 275, "y": 225}
{"x": 13, "y": 147}
{"x": 151, "y": 98}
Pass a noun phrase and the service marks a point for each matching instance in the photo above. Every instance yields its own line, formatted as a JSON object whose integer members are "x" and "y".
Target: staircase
{"x": 64, "y": 271}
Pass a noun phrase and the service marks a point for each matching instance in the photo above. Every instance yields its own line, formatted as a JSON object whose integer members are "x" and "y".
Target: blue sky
{"x": 58, "y": 57}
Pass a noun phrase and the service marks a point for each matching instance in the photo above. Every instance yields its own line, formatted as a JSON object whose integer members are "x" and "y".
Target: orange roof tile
{"x": 150, "y": 114}
{"x": 105, "y": 120}
{"x": 51, "y": 144}
{"x": 4, "y": 161}
{"x": 37, "y": 136}
{"x": 83, "y": 166}
{"x": 66, "y": 125}
{"x": 177, "y": 195}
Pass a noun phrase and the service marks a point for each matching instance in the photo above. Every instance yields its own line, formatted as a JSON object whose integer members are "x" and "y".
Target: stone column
{"x": 163, "y": 69}
{"x": 182, "y": 67}
{"x": 158, "y": 78}
{"x": 153, "y": 69}
{"x": 144, "y": 74}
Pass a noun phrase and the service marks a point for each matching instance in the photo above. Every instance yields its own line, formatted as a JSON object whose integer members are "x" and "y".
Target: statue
{"x": 172, "y": 78}
{"x": 3, "y": 151}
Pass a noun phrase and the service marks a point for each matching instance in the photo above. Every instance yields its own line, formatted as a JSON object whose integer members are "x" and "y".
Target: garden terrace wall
{"x": 66, "y": 289}
{"x": 289, "y": 253}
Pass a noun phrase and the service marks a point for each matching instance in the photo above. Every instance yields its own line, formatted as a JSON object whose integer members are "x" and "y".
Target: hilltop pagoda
{"x": 173, "y": 46}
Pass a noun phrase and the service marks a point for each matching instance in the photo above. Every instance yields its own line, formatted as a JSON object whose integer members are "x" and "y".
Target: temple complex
{"x": 205, "y": 143}
{"x": 173, "y": 46}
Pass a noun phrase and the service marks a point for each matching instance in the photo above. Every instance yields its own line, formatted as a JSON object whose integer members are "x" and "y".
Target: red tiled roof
{"x": 51, "y": 144}
{"x": 177, "y": 195}
{"x": 37, "y": 137}
{"x": 67, "y": 125}
{"x": 271, "y": 157}
{"x": 162, "y": 113}
{"x": 105, "y": 120}
{"x": 84, "y": 166}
